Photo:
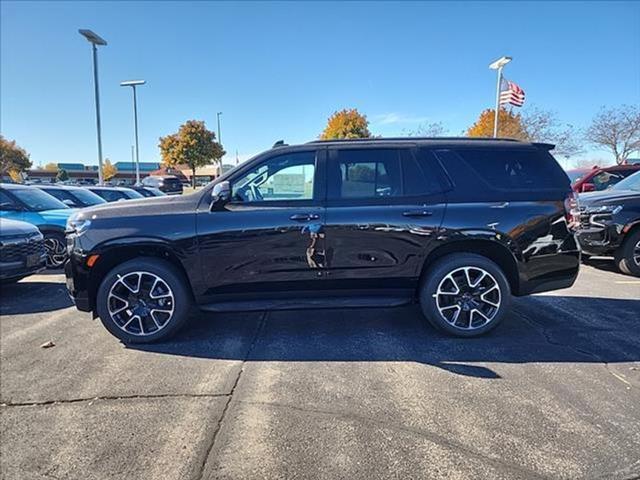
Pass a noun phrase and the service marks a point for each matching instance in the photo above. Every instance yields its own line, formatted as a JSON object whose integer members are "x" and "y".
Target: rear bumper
{"x": 550, "y": 272}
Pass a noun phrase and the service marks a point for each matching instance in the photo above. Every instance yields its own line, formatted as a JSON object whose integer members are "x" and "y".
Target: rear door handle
{"x": 417, "y": 213}
{"x": 304, "y": 217}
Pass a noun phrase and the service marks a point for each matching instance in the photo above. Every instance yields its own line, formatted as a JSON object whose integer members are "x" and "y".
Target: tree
{"x": 62, "y": 175}
{"x": 13, "y": 159}
{"x": 543, "y": 126}
{"x": 428, "y": 129}
{"x": 346, "y": 124}
{"x": 509, "y": 125}
{"x": 616, "y": 130}
{"x": 108, "y": 170}
{"x": 51, "y": 167}
{"x": 191, "y": 145}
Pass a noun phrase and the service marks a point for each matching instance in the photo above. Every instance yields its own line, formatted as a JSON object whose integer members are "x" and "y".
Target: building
{"x": 78, "y": 172}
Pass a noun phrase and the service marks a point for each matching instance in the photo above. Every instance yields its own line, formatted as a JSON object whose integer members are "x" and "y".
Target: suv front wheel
{"x": 465, "y": 295}
{"x": 143, "y": 301}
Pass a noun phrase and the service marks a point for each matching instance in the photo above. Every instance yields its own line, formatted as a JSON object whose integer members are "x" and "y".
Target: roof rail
{"x": 386, "y": 139}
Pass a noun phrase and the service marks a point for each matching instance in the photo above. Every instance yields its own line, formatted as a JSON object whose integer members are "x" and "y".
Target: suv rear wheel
{"x": 465, "y": 295}
{"x": 143, "y": 301}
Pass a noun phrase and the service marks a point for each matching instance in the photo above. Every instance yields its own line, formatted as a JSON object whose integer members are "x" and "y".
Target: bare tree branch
{"x": 616, "y": 130}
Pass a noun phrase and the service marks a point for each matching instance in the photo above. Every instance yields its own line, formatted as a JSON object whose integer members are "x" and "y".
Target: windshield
{"x": 575, "y": 175}
{"x": 132, "y": 193}
{"x": 37, "y": 200}
{"x": 86, "y": 197}
{"x": 630, "y": 183}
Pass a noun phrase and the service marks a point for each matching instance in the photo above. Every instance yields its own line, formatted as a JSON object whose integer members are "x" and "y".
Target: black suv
{"x": 456, "y": 224}
{"x": 165, "y": 183}
{"x": 610, "y": 224}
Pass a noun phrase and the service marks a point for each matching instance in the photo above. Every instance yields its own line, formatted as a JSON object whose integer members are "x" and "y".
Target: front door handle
{"x": 304, "y": 217}
{"x": 417, "y": 213}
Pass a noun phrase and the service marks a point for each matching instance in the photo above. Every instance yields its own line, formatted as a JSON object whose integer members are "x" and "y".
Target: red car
{"x": 599, "y": 178}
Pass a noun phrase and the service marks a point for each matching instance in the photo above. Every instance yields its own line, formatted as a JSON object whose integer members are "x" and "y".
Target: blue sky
{"x": 278, "y": 70}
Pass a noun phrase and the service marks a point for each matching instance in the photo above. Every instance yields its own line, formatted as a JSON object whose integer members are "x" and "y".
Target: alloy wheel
{"x": 140, "y": 303}
{"x": 56, "y": 252}
{"x": 636, "y": 253}
{"x": 468, "y": 298}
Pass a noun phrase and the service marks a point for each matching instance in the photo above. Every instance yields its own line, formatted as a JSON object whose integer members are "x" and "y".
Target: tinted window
{"x": 111, "y": 195}
{"x": 63, "y": 195}
{"x": 6, "y": 201}
{"x": 285, "y": 177}
{"x": 86, "y": 197}
{"x": 37, "y": 200}
{"x": 379, "y": 173}
{"x": 366, "y": 173}
{"x": 132, "y": 194}
{"x": 510, "y": 169}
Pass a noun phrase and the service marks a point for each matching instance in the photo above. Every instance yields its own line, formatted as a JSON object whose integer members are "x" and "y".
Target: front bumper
{"x": 602, "y": 239}
{"x": 77, "y": 281}
{"x": 18, "y": 269}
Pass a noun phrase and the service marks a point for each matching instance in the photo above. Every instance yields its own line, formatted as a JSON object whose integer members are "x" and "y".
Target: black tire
{"x": 432, "y": 303}
{"x": 56, "y": 246}
{"x": 625, "y": 255}
{"x": 180, "y": 301}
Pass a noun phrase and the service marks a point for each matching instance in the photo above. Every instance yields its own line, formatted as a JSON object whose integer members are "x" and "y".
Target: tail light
{"x": 572, "y": 209}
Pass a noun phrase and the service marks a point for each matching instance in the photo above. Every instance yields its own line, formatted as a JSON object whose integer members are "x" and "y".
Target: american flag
{"x": 510, "y": 93}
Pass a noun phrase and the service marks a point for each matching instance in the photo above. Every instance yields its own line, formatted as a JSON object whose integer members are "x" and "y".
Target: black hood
{"x": 144, "y": 206}
{"x": 13, "y": 228}
{"x": 608, "y": 196}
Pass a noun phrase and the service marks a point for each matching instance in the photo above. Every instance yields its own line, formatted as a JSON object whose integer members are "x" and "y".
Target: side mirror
{"x": 588, "y": 187}
{"x": 220, "y": 195}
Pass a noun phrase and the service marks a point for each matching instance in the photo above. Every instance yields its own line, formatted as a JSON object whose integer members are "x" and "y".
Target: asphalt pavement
{"x": 554, "y": 392}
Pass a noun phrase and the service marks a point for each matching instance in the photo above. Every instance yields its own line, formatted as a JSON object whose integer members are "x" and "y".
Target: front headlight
{"x": 607, "y": 209}
{"x": 77, "y": 223}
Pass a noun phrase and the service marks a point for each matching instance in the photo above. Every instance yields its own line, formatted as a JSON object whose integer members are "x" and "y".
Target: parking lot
{"x": 554, "y": 392}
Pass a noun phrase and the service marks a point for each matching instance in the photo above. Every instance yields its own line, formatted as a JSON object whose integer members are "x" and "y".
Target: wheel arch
{"x": 111, "y": 256}
{"x": 491, "y": 249}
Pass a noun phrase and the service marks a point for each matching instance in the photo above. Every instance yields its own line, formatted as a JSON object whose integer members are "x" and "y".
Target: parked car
{"x": 75, "y": 197}
{"x": 115, "y": 194}
{"x": 609, "y": 224}
{"x": 167, "y": 183}
{"x": 22, "y": 251}
{"x": 32, "y": 205}
{"x": 458, "y": 225}
{"x": 599, "y": 178}
{"x": 149, "y": 191}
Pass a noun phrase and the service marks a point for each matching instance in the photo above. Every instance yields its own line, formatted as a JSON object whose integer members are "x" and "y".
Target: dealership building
{"x": 126, "y": 172}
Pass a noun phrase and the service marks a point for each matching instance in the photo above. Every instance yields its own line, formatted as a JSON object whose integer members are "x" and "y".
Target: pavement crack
{"x": 549, "y": 339}
{"x": 218, "y": 426}
{"x": 111, "y": 397}
{"x": 428, "y": 435}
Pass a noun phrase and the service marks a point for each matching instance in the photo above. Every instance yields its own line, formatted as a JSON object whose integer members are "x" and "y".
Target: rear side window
{"x": 378, "y": 173}
{"x": 511, "y": 169}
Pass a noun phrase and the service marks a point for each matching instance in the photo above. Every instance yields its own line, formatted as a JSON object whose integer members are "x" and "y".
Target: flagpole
{"x": 497, "y": 111}
{"x": 497, "y": 65}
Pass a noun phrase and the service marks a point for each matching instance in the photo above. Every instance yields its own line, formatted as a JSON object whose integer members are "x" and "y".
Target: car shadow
{"x": 540, "y": 329}
{"x": 605, "y": 264}
{"x": 33, "y": 297}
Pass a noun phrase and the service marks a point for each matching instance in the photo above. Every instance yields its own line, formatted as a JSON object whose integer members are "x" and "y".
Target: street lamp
{"x": 219, "y": 139}
{"x": 133, "y": 84}
{"x": 498, "y": 65}
{"x": 95, "y": 40}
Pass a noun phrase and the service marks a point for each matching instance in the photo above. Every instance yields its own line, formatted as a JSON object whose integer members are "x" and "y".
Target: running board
{"x": 303, "y": 304}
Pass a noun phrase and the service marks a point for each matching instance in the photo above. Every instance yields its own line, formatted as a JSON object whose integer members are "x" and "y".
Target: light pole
{"x": 95, "y": 40}
{"x": 219, "y": 139}
{"x": 498, "y": 65}
{"x": 133, "y": 84}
